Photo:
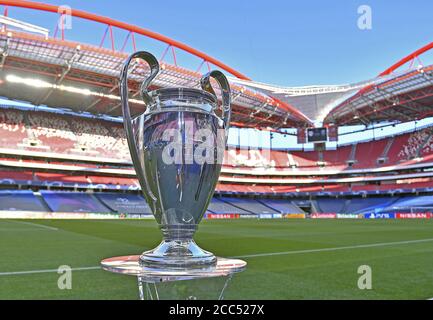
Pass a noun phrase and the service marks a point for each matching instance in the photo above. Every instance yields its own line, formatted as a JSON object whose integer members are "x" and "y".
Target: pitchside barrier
{"x": 420, "y": 215}
{"x": 425, "y": 215}
{"x": 399, "y": 215}
{"x": 294, "y": 216}
{"x": 90, "y": 215}
{"x": 222, "y": 216}
{"x": 323, "y": 215}
{"x": 348, "y": 216}
{"x": 270, "y": 216}
{"x": 281, "y": 215}
{"x": 403, "y": 213}
{"x": 256, "y": 216}
{"x": 335, "y": 216}
{"x": 379, "y": 215}
{"x": 69, "y": 215}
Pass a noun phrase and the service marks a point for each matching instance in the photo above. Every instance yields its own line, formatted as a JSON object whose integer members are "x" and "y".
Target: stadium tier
{"x": 54, "y": 133}
{"x": 81, "y": 146}
{"x": 134, "y": 205}
{"x": 124, "y": 203}
{"x": 72, "y": 202}
{"x": 218, "y": 206}
{"x": 50, "y": 132}
{"x": 61, "y": 150}
{"x": 331, "y": 205}
{"x": 408, "y": 203}
{"x": 370, "y": 204}
{"x": 281, "y": 206}
{"x": 20, "y": 200}
{"x": 82, "y": 136}
{"x": 249, "y": 205}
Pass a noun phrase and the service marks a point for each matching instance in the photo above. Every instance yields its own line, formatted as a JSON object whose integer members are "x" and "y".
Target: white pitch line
{"x": 13, "y": 273}
{"x": 35, "y": 225}
{"x": 383, "y": 244}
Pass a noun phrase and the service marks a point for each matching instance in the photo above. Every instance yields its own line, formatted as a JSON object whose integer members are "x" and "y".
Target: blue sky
{"x": 281, "y": 42}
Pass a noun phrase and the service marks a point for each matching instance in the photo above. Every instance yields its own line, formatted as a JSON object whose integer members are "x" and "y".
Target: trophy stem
{"x": 178, "y": 232}
{"x": 178, "y": 250}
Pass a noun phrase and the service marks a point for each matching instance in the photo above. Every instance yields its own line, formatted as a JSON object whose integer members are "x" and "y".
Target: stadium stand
{"x": 405, "y": 203}
{"x": 305, "y": 158}
{"x": 65, "y": 151}
{"x": 281, "y": 159}
{"x": 373, "y": 204}
{"x": 281, "y": 206}
{"x": 124, "y": 203}
{"x": 12, "y": 129}
{"x": 240, "y": 157}
{"x": 8, "y": 177}
{"x": 330, "y": 205}
{"x": 51, "y": 131}
{"x": 129, "y": 203}
{"x": 427, "y": 146}
{"x": 65, "y": 134}
{"x": 20, "y": 200}
{"x": 72, "y": 202}
{"x": 59, "y": 177}
{"x": 94, "y": 136}
{"x": 249, "y": 205}
{"x": 368, "y": 153}
{"x": 337, "y": 157}
{"x": 55, "y": 135}
{"x": 370, "y": 204}
{"x": 73, "y": 134}
{"x": 417, "y": 144}
{"x": 218, "y": 206}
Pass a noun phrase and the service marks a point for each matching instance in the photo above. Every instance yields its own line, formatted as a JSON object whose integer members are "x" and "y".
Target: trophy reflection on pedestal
{"x": 177, "y": 147}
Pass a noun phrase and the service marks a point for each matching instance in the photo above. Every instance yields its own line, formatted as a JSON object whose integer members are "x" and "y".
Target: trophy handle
{"x": 154, "y": 69}
{"x": 225, "y": 90}
{"x": 132, "y": 125}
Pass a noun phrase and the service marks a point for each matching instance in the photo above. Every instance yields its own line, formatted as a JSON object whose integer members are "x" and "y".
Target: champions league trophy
{"x": 177, "y": 147}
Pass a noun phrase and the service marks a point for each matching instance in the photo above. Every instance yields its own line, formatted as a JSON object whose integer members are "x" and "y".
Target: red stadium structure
{"x": 267, "y": 111}
{"x": 64, "y": 150}
{"x": 402, "y": 97}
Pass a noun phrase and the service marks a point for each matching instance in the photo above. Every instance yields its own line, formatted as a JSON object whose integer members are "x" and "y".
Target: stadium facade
{"x": 77, "y": 162}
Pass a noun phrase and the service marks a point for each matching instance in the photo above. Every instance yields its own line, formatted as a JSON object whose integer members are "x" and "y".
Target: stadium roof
{"x": 395, "y": 95}
{"x": 60, "y": 73}
{"x": 56, "y": 72}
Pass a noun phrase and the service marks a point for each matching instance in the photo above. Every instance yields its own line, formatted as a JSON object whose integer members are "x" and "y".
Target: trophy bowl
{"x": 177, "y": 145}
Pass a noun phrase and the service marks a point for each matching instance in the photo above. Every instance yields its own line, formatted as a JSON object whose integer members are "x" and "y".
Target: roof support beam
{"x": 66, "y": 69}
{"x": 4, "y": 52}
{"x": 96, "y": 101}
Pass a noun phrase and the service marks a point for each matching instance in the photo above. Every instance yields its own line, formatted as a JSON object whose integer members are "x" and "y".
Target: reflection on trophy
{"x": 177, "y": 145}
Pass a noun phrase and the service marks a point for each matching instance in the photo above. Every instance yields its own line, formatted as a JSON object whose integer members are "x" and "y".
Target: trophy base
{"x": 213, "y": 288}
{"x": 183, "y": 284}
{"x": 177, "y": 254}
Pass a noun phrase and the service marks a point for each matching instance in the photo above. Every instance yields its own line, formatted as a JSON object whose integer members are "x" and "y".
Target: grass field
{"x": 287, "y": 259}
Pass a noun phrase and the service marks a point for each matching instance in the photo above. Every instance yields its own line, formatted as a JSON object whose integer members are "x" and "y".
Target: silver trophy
{"x": 177, "y": 146}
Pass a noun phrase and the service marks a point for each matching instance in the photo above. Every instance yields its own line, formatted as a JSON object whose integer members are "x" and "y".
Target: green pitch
{"x": 287, "y": 259}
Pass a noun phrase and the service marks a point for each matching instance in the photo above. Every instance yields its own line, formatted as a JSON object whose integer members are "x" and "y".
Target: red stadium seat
{"x": 104, "y": 140}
